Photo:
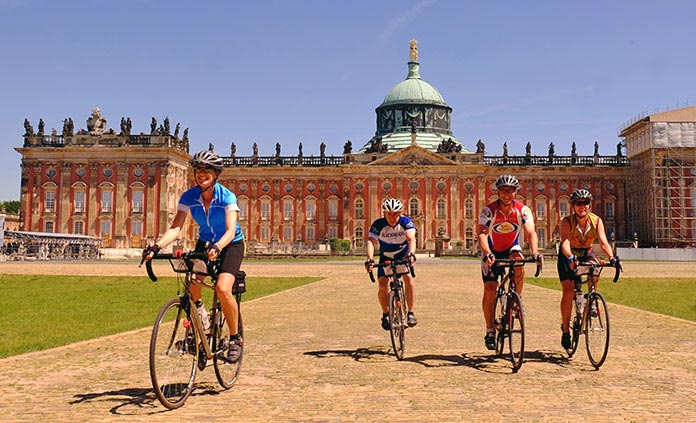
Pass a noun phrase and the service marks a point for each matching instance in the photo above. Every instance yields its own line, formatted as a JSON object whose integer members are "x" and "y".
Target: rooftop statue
{"x": 348, "y": 147}
{"x": 96, "y": 122}
{"x": 28, "y": 129}
{"x": 413, "y": 51}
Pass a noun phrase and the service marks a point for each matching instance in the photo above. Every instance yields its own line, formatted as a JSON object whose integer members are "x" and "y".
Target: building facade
{"x": 124, "y": 188}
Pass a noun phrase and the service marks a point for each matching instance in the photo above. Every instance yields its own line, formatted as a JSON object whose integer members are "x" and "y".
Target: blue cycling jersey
{"x": 392, "y": 239}
{"x": 211, "y": 224}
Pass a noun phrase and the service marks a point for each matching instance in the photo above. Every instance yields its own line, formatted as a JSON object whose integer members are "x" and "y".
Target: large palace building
{"x": 124, "y": 188}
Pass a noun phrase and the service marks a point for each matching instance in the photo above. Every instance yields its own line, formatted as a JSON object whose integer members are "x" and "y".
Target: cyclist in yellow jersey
{"x": 579, "y": 231}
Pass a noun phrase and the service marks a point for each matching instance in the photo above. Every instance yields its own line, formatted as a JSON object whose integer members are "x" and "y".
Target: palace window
{"x": 469, "y": 208}
{"x": 541, "y": 234}
{"x": 609, "y": 210}
{"x": 106, "y": 201}
{"x": 79, "y": 227}
{"x": 79, "y": 203}
{"x": 541, "y": 210}
{"x": 137, "y": 201}
{"x": 359, "y": 208}
{"x": 469, "y": 238}
{"x": 333, "y": 209}
{"x": 136, "y": 227}
{"x": 287, "y": 209}
{"x": 243, "y": 204}
{"x": 287, "y": 233}
{"x": 50, "y": 204}
{"x": 48, "y": 227}
{"x": 441, "y": 208}
{"x": 413, "y": 207}
{"x": 311, "y": 209}
{"x": 563, "y": 208}
{"x": 265, "y": 209}
{"x": 105, "y": 227}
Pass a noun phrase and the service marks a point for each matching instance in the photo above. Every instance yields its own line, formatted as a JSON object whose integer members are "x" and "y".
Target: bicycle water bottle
{"x": 203, "y": 314}
{"x": 579, "y": 301}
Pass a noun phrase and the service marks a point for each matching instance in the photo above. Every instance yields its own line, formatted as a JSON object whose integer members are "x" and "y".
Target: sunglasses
{"x": 582, "y": 203}
{"x": 204, "y": 169}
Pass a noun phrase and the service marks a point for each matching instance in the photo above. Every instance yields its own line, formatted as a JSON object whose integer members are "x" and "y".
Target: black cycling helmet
{"x": 392, "y": 205}
{"x": 580, "y": 194}
{"x": 207, "y": 158}
{"x": 507, "y": 181}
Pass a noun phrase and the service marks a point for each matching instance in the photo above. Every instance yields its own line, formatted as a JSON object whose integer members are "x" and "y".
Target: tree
{"x": 10, "y": 206}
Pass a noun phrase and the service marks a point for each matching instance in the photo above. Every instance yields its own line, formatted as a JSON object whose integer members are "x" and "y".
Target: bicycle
{"x": 179, "y": 346}
{"x": 509, "y": 313}
{"x": 398, "y": 308}
{"x": 592, "y": 321}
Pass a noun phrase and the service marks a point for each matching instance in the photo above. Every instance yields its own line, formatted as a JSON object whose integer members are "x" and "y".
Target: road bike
{"x": 398, "y": 308}
{"x": 591, "y": 314}
{"x": 179, "y": 345}
{"x": 509, "y": 312}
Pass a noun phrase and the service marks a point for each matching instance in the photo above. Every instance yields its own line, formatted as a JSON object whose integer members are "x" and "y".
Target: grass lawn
{"x": 45, "y": 311}
{"x": 673, "y": 297}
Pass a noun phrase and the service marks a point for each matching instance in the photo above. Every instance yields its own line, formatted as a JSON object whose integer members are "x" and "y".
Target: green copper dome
{"x": 413, "y": 90}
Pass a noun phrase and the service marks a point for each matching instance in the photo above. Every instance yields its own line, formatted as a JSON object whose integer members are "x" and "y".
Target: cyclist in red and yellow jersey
{"x": 579, "y": 231}
{"x": 499, "y": 232}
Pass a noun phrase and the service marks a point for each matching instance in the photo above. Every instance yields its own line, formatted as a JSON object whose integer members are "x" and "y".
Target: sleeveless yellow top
{"x": 581, "y": 239}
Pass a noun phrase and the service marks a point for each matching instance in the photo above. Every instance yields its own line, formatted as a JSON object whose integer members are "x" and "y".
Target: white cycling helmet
{"x": 207, "y": 158}
{"x": 507, "y": 181}
{"x": 392, "y": 205}
{"x": 580, "y": 194}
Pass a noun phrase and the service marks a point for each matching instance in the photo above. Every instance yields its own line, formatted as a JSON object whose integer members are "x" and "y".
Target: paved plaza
{"x": 318, "y": 354}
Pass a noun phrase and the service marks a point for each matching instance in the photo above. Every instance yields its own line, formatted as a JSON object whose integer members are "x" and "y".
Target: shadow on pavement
{"x": 359, "y": 355}
{"x": 141, "y": 398}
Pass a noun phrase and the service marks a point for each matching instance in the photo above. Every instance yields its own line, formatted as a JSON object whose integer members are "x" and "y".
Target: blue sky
{"x": 314, "y": 71}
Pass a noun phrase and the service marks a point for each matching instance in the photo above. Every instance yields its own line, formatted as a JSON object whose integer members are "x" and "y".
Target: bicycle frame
{"x": 591, "y": 317}
{"x": 187, "y": 265}
{"x": 398, "y": 307}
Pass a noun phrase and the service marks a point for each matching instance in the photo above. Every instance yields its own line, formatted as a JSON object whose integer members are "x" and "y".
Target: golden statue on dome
{"x": 413, "y": 51}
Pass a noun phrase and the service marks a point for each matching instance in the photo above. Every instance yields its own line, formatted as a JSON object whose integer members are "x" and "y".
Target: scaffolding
{"x": 662, "y": 185}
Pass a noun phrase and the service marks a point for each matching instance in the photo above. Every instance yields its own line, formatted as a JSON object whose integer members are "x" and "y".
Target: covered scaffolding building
{"x": 21, "y": 245}
{"x": 662, "y": 151}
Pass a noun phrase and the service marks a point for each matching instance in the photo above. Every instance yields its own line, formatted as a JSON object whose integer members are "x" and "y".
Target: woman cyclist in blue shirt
{"x": 215, "y": 210}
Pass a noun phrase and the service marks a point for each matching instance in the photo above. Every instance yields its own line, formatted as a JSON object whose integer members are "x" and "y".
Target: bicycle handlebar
{"x": 616, "y": 265}
{"x": 393, "y": 264}
{"x": 187, "y": 257}
{"x": 518, "y": 262}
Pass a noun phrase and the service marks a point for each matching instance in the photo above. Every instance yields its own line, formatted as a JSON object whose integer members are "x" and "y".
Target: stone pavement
{"x": 317, "y": 354}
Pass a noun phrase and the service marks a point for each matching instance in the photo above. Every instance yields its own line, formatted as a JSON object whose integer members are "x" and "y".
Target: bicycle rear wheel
{"x": 397, "y": 322}
{"x": 173, "y": 355}
{"x": 515, "y": 318}
{"x": 597, "y": 329}
{"x": 500, "y": 324}
{"x": 226, "y": 372}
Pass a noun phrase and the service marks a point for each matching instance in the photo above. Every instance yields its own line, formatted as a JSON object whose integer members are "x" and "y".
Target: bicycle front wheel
{"x": 226, "y": 372}
{"x": 575, "y": 329}
{"x": 397, "y": 322}
{"x": 173, "y": 355}
{"x": 597, "y": 329}
{"x": 515, "y": 319}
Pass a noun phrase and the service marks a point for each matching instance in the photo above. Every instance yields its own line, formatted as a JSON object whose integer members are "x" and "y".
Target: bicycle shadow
{"x": 359, "y": 354}
{"x": 487, "y": 362}
{"x": 128, "y": 400}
